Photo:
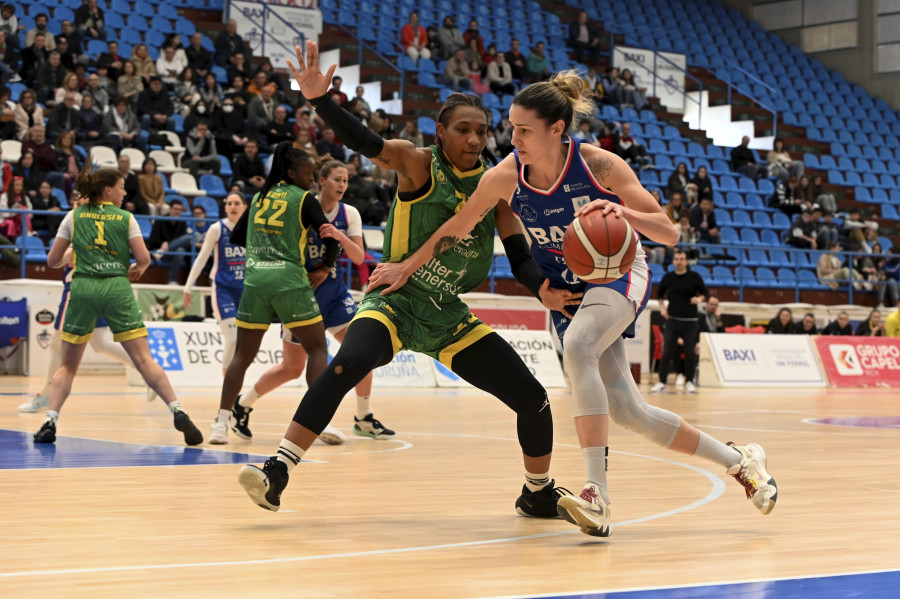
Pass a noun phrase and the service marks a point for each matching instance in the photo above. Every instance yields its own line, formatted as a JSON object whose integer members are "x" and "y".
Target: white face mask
{"x": 228, "y": 108}
{"x": 201, "y": 109}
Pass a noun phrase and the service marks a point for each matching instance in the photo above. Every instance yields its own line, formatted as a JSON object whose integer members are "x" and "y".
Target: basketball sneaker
{"x": 658, "y": 388}
{"x": 192, "y": 434}
{"x": 36, "y": 404}
{"x": 332, "y": 436}
{"x": 240, "y": 419}
{"x": 542, "y": 503}
{"x": 689, "y": 387}
{"x": 589, "y": 512}
{"x": 218, "y": 433}
{"x": 751, "y": 473}
{"x": 264, "y": 485}
{"x": 47, "y": 434}
{"x": 371, "y": 427}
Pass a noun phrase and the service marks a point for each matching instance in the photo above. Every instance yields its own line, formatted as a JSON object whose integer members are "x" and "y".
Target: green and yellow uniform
{"x": 275, "y": 281}
{"x": 426, "y": 314}
{"x": 100, "y": 235}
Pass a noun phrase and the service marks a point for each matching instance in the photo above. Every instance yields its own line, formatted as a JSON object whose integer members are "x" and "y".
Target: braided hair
{"x": 286, "y": 156}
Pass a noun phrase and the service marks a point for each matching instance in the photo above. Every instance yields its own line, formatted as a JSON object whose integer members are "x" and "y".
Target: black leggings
{"x": 489, "y": 364}
{"x": 689, "y": 331}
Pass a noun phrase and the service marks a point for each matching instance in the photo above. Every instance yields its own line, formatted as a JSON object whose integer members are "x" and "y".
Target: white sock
{"x": 175, "y": 406}
{"x": 362, "y": 406}
{"x": 249, "y": 398}
{"x": 595, "y": 466}
{"x": 716, "y": 451}
{"x": 223, "y": 416}
{"x": 52, "y": 416}
{"x": 290, "y": 454}
{"x": 536, "y": 482}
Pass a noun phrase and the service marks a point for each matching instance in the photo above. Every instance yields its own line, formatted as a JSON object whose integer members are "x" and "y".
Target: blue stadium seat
{"x": 780, "y": 221}
{"x": 765, "y": 277}
{"x": 757, "y": 258}
{"x": 762, "y": 220}
{"x": 806, "y": 279}
{"x": 213, "y": 186}
{"x": 428, "y": 80}
{"x": 770, "y": 238}
{"x": 729, "y": 236}
{"x": 889, "y": 211}
{"x": 426, "y": 125}
{"x": 723, "y": 275}
{"x": 827, "y": 162}
{"x": 744, "y": 276}
{"x": 145, "y": 225}
{"x": 787, "y": 278}
{"x": 32, "y": 249}
{"x": 741, "y": 218}
{"x": 749, "y": 236}
{"x": 60, "y": 196}
{"x": 766, "y": 187}
{"x": 800, "y": 259}
{"x": 207, "y": 203}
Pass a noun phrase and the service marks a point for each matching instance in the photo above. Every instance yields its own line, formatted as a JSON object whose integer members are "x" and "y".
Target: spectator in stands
{"x": 200, "y": 151}
{"x": 678, "y": 181}
{"x": 840, "y": 326}
{"x": 91, "y": 132}
{"x": 29, "y": 172}
{"x": 826, "y": 231}
{"x": 411, "y": 133}
{"x": 144, "y": 67}
{"x": 499, "y": 75}
{"x": 69, "y": 159}
{"x": 743, "y": 161}
{"x": 112, "y": 61}
{"x": 240, "y": 68}
{"x": 129, "y": 85}
{"x": 703, "y": 183}
{"x": 169, "y": 67}
{"x": 155, "y": 108}
{"x": 473, "y": 57}
{"x": 9, "y": 62}
{"x": 516, "y": 60}
{"x": 211, "y": 93}
{"x": 259, "y": 81}
{"x": 27, "y": 113}
{"x": 229, "y": 44}
{"x": 630, "y": 150}
{"x": 336, "y": 83}
{"x": 472, "y": 33}
{"x": 612, "y": 87}
{"x": 711, "y": 318}
{"x": 781, "y": 165}
{"x": 803, "y": 232}
{"x": 199, "y": 58}
{"x": 14, "y": 224}
{"x": 67, "y": 56}
{"x": 782, "y": 324}
{"x": 44, "y": 154}
{"x": 279, "y": 129}
{"x": 229, "y": 128}
{"x": 237, "y": 92}
{"x": 329, "y": 145}
{"x": 40, "y": 26}
{"x": 830, "y": 271}
{"x": 303, "y": 120}
{"x": 303, "y": 141}
{"x": 414, "y": 39}
{"x": 584, "y": 37}
{"x": 685, "y": 291}
{"x": 9, "y": 24}
{"x": 260, "y": 111}
{"x": 133, "y": 202}
{"x": 386, "y": 129}
{"x": 457, "y": 73}
{"x": 504, "y": 136}
{"x": 607, "y": 138}
{"x": 450, "y": 38}
{"x": 42, "y": 67}
{"x": 872, "y": 326}
{"x": 45, "y": 200}
{"x": 171, "y": 236}
{"x": 786, "y": 199}
{"x": 853, "y": 229}
{"x": 892, "y": 323}
{"x": 807, "y": 326}
{"x": 823, "y": 199}
{"x": 361, "y": 195}
{"x": 633, "y": 94}
{"x": 99, "y": 95}
{"x": 173, "y": 40}
{"x": 805, "y": 191}
{"x": 537, "y": 67}
{"x": 488, "y": 56}
{"x": 64, "y": 116}
{"x": 249, "y": 170}
{"x": 703, "y": 221}
{"x": 71, "y": 84}
{"x": 584, "y": 132}
{"x": 185, "y": 95}
{"x": 674, "y": 206}
{"x": 434, "y": 44}
{"x": 888, "y": 269}
{"x": 89, "y": 20}
{"x": 151, "y": 188}
{"x": 75, "y": 37}
{"x": 7, "y": 114}
{"x": 364, "y": 105}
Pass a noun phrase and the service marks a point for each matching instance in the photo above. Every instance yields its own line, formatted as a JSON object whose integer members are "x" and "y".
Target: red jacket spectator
{"x": 410, "y": 36}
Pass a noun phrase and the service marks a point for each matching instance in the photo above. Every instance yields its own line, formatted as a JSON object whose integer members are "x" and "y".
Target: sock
{"x": 52, "y": 416}
{"x": 290, "y": 454}
{"x": 716, "y": 451}
{"x": 596, "y": 463}
{"x": 536, "y": 482}
{"x": 175, "y": 406}
{"x": 249, "y": 398}
{"x": 362, "y": 406}
{"x": 223, "y": 416}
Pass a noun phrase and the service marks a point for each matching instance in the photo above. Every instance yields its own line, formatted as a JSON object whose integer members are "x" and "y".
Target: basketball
{"x": 599, "y": 248}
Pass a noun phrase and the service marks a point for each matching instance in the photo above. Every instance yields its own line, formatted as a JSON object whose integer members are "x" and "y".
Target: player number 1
{"x": 99, "y": 240}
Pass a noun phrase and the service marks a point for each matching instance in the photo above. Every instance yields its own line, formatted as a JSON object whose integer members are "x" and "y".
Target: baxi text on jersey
{"x": 552, "y": 235}
{"x": 234, "y": 252}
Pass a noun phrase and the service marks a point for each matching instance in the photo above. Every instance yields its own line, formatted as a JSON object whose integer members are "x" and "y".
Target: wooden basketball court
{"x": 120, "y": 509}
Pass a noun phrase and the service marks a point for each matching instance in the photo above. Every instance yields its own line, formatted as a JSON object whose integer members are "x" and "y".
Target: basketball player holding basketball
{"x": 551, "y": 179}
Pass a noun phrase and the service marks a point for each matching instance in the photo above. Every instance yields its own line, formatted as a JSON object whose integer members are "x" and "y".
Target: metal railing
{"x": 362, "y": 44}
{"x": 731, "y": 67}
{"x": 267, "y": 13}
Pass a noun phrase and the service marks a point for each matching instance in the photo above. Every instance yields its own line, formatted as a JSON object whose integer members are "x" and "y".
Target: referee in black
{"x": 685, "y": 290}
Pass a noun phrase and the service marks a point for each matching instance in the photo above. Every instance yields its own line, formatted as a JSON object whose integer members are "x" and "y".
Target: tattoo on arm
{"x": 444, "y": 244}
{"x": 383, "y": 159}
{"x": 600, "y": 167}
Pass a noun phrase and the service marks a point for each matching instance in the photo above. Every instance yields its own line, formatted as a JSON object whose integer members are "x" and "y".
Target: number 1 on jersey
{"x": 99, "y": 240}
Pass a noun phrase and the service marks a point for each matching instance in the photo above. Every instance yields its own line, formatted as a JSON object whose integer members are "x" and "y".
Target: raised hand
{"x": 309, "y": 77}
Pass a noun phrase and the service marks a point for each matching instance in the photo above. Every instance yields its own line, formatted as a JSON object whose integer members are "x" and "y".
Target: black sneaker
{"x": 192, "y": 434}
{"x": 371, "y": 427}
{"x": 47, "y": 434}
{"x": 240, "y": 419}
{"x": 265, "y": 485}
{"x": 540, "y": 504}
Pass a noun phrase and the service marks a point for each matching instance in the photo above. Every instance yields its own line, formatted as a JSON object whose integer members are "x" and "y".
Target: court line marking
{"x": 718, "y": 489}
{"x": 599, "y": 593}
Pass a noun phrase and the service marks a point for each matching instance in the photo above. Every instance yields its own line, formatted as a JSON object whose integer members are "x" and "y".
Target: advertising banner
{"x": 667, "y": 84}
{"x": 860, "y": 361}
{"x": 515, "y": 319}
{"x": 763, "y": 360}
{"x": 272, "y": 29}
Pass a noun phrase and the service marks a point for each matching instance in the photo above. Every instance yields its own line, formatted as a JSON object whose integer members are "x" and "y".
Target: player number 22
{"x": 274, "y": 220}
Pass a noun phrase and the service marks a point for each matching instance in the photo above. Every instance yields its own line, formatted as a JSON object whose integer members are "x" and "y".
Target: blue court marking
{"x": 859, "y": 422}
{"x": 863, "y": 585}
{"x": 18, "y": 451}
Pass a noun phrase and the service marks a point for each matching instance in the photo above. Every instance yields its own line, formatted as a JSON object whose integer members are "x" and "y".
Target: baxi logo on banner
{"x": 274, "y": 28}
{"x": 861, "y": 361}
{"x": 669, "y": 78}
{"x": 765, "y": 360}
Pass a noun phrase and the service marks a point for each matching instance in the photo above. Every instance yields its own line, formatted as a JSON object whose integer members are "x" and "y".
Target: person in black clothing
{"x": 873, "y": 326}
{"x": 744, "y": 161}
{"x": 328, "y": 145}
{"x": 279, "y": 129}
{"x": 782, "y": 324}
{"x": 807, "y": 326}
{"x": 133, "y": 202}
{"x": 841, "y": 326}
{"x": 703, "y": 221}
{"x": 229, "y": 128}
{"x": 171, "y": 236}
{"x": 89, "y": 20}
{"x": 228, "y": 44}
{"x": 711, "y": 318}
{"x": 685, "y": 290}
{"x": 155, "y": 107}
{"x": 45, "y": 200}
{"x": 583, "y": 36}
{"x": 34, "y": 57}
{"x": 112, "y": 61}
{"x": 803, "y": 232}
{"x": 199, "y": 58}
{"x": 249, "y": 170}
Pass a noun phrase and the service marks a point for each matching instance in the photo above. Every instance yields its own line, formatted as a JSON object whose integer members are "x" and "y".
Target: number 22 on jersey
{"x": 274, "y": 220}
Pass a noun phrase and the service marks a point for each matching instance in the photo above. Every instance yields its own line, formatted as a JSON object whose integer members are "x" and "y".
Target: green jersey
{"x": 100, "y": 234}
{"x": 276, "y": 240}
{"x": 463, "y": 267}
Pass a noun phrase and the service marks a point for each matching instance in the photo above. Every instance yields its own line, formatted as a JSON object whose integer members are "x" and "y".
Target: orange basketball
{"x": 599, "y": 249}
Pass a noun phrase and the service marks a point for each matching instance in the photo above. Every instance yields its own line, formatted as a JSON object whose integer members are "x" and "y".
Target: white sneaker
{"x": 36, "y": 404}
{"x": 658, "y": 388}
{"x": 588, "y": 512}
{"x": 218, "y": 434}
{"x": 151, "y": 395}
{"x": 751, "y": 473}
{"x": 690, "y": 388}
{"x": 332, "y": 436}
{"x": 679, "y": 380}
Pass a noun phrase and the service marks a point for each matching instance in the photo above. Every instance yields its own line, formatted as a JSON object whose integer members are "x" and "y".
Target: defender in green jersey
{"x": 102, "y": 235}
{"x": 275, "y": 231}
{"x": 427, "y": 315}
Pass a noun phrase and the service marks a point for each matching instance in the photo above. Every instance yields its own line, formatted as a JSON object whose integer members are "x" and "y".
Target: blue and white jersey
{"x": 547, "y": 213}
{"x": 347, "y": 220}
{"x": 228, "y": 260}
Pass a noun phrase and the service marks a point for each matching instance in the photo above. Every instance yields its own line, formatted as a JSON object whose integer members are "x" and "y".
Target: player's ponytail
{"x": 284, "y": 158}
{"x": 90, "y": 183}
{"x": 559, "y": 99}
